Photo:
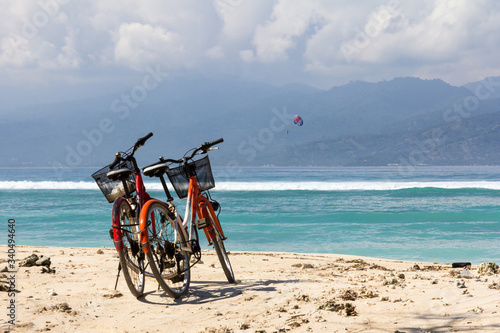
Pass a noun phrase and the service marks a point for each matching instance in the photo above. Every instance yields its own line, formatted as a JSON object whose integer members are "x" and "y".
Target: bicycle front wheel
{"x": 220, "y": 249}
{"x": 216, "y": 238}
{"x": 167, "y": 256}
{"x": 127, "y": 242}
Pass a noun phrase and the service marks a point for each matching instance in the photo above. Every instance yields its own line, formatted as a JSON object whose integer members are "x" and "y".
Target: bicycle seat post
{"x": 125, "y": 186}
{"x": 165, "y": 188}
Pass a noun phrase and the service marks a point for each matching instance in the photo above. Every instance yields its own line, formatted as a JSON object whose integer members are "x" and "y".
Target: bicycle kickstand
{"x": 118, "y": 274}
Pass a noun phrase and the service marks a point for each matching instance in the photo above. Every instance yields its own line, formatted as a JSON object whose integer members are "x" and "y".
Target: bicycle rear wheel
{"x": 127, "y": 242}
{"x": 169, "y": 263}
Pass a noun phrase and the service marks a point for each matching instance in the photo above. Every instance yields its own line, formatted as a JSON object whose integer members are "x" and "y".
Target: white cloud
{"x": 69, "y": 56}
{"x": 37, "y": 36}
{"x": 242, "y": 17}
{"x": 247, "y": 56}
{"x": 289, "y": 21}
{"x": 174, "y": 34}
{"x": 139, "y": 44}
{"x": 403, "y": 39}
{"x": 275, "y": 41}
{"x": 215, "y": 52}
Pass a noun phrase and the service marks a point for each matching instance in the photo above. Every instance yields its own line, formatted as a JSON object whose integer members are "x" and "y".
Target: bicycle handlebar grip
{"x": 116, "y": 161}
{"x": 217, "y": 141}
{"x": 207, "y": 145}
{"x": 143, "y": 140}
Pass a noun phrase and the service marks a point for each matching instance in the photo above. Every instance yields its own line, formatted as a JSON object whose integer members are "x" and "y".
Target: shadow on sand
{"x": 201, "y": 292}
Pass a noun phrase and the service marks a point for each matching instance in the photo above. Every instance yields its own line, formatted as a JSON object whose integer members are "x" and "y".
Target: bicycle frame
{"x": 141, "y": 198}
{"x": 199, "y": 205}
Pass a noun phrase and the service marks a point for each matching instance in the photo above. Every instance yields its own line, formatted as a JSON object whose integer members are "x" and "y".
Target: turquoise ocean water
{"x": 442, "y": 214}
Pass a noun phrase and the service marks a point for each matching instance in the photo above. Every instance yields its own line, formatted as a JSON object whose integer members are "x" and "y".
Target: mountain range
{"x": 404, "y": 121}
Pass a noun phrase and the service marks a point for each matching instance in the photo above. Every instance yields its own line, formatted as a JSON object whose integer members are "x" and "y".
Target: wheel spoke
{"x": 165, "y": 257}
{"x": 131, "y": 256}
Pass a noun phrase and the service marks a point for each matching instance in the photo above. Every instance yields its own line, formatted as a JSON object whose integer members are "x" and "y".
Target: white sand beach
{"x": 275, "y": 292}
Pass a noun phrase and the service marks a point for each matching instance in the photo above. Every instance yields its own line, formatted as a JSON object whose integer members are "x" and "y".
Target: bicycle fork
{"x": 214, "y": 228}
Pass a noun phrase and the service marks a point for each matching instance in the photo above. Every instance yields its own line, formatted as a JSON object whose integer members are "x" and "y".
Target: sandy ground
{"x": 275, "y": 292}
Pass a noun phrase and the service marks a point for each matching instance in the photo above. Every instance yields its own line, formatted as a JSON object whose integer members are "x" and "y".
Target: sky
{"x": 57, "y": 49}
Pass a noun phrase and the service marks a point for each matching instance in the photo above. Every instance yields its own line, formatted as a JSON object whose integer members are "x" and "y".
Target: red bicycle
{"x": 121, "y": 183}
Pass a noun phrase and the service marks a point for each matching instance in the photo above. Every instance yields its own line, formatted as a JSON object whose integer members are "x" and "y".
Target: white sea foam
{"x": 47, "y": 185}
{"x": 269, "y": 186}
{"x": 351, "y": 186}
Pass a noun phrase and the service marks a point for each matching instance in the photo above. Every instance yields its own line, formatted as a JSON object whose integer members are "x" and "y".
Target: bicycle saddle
{"x": 155, "y": 170}
{"x": 120, "y": 174}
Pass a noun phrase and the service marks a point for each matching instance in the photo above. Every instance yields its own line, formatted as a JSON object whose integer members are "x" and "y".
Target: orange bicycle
{"x": 171, "y": 240}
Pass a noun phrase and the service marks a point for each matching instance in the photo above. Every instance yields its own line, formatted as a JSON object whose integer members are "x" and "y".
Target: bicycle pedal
{"x": 178, "y": 278}
{"x": 202, "y": 223}
{"x": 195, "y": 246}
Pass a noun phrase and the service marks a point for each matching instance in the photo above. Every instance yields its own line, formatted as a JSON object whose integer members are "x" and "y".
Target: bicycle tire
{"x": 127, "y": 242}
{"x": 169, "y": 264}
{"x": 217, "y": 240}
{"x": 220, "y": 249}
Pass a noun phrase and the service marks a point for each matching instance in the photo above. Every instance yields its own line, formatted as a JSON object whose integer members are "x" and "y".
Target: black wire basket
{"x": 113, "y": 189}
{"x": 203, "y": 172}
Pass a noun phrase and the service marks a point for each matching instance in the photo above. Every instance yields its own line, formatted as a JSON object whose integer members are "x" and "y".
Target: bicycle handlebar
{"x": 204, "y": 148}
{"x": 117, "y": 160}
{"x": 140, "y": 142}
{"x": 206, "y": 145}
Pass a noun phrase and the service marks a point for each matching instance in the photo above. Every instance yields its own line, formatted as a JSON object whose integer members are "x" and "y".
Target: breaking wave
{"x": 271, "y": 186}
